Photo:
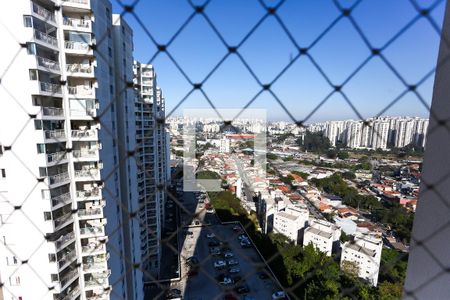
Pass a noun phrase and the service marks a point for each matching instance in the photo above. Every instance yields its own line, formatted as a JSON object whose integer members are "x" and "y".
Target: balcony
{"x": 77, "y": 47}
{"x": 46, "y": 39}
{"x": 62, "y": 220}
{"x": 95, "y": 266}
{"x": 87, "y": 134}
{"x": 58, "y": 134}
{"x": 58, "y": 178}
{"x": 64, "y": 240}
{"x": 47, "y": 64}
{"x": 42, "y": 12}
{"x": 66, "y": 259}
{"x": 77, "y": 24}
{"x": 80, "y": 70}
{"x": 70, "y": 295}
{"x": 90, "y": 213}
{"x": 57, "y": 157}
{"x": 62, "y": 199}
{"x": 52, "y": 111}
{"x": 80, "y": 91}
{"x": 86, "y": 195}
{"x": 86, "y": 112}
{"x": 68, "y": 278}
{"x": 89, "y": 174}
{"x": 93, "y": 248}
{"x": 49, "y": 88}
{"x": 92, "y": 231}
{"x": 85, "y": 154}
{"x": 76, "y": 3}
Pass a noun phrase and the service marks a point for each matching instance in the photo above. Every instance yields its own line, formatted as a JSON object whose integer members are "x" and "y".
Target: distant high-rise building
{"x": 152, "y": 156}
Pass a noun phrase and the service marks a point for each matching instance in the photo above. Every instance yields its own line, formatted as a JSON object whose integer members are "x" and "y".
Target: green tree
{"x": 343, "y": 155}
{"x": 314, "y": 142}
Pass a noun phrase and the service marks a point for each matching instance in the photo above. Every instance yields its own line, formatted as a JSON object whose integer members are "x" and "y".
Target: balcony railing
{"x": 85, "y": 153}
{"x": 89, "y": 212}
{"x": 92, "y": 230}
{"x": 91, "y": 173}
{"x": 70, "y": 295}
{"x": 63, "y": 219}
{"x": 87, "y": 112}
{"x": 48, "y": 39}
{"x": 77, "y": 23}
{"x": 72, "y": 45}
{"x": 61, "y": 199}
{"x": 79, "y": 68}
{"x": 55, "y": 157}
{"x": 55, "y": 134}
{"x": 94, "y": 266}
{"x": 86, "y": 194}
{"x": 47, "y": 63}
{"x": 43, "y": 12}
{"x": 68, "y": 277}
{"x": 52, "y": 111}
{"x": 61, "y": 177}
{"x": 66, "y": 258}
{"x": 77, "y": 1}
{"x": 81, "y": 90}
{"x": 96, "y": 282}
{"x": 50, "y": 87}
{"x": 84, "y": 133}
{"x": 93, "y": 247}
{"x": 64, "y": 239}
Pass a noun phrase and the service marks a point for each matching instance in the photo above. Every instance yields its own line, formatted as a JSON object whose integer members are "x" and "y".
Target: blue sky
{"x": 268, "y": 50}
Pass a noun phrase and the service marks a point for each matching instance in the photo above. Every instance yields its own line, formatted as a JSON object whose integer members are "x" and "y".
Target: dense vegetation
{"x": 314, "y": 142}
{"x": 312, "y": 274}
{"x": 387, "y": 213}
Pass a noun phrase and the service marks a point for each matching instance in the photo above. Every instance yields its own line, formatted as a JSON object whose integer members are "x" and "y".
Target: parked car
{"x": 233, "y": 262}
{"x": 224, "y": 279}
{"x": 220, "y": 264}
{"x": 228, "y": 254}
{"x": 245, "y": 244}
{"x": 237, "y": 228}
{"x": 243, "y": 289}
{"x": 234, "y": 270}
{"x": 279, "y": 295}
{"x": 210, "y": 235}
{"x": 242, "y": 237}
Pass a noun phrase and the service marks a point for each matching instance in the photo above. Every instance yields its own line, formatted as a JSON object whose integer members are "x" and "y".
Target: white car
{"x": 228, "y": 254}
{"x": 234, "y": 270}
{"x": 219, "y": 264}
{"x": 210, "y": 235}
{"x": 278, "y": 295}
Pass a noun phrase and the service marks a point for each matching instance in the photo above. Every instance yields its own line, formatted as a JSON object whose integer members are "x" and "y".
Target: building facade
{"x": 53, "y": 192}
{"x": 364, "y": 253}
{"x": 323, "y": 235}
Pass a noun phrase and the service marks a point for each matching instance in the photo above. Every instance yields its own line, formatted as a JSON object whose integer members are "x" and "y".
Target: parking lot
{"x": 219, "y": 244}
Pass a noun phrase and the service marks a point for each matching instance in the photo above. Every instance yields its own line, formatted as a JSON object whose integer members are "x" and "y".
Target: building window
{"x": 33, "y": 75}
{"x": 47, "y": 215}
{"x": 54, "y": 277}
{"x": 31, "y": 48}
{"x": 27, "y": 21}
{"x": 109, "y": 51}
{"x": 40, "y": 148}
{"x": 52, "y": 257}
{"x": 2, "y": 173}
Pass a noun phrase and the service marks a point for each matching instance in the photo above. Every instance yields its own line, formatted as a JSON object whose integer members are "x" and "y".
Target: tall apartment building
{"x": 364, "y": 252}
{"x": 152, "y": 156}
{"x": 56, "y": 174}
{"x": 382, "y": 132}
